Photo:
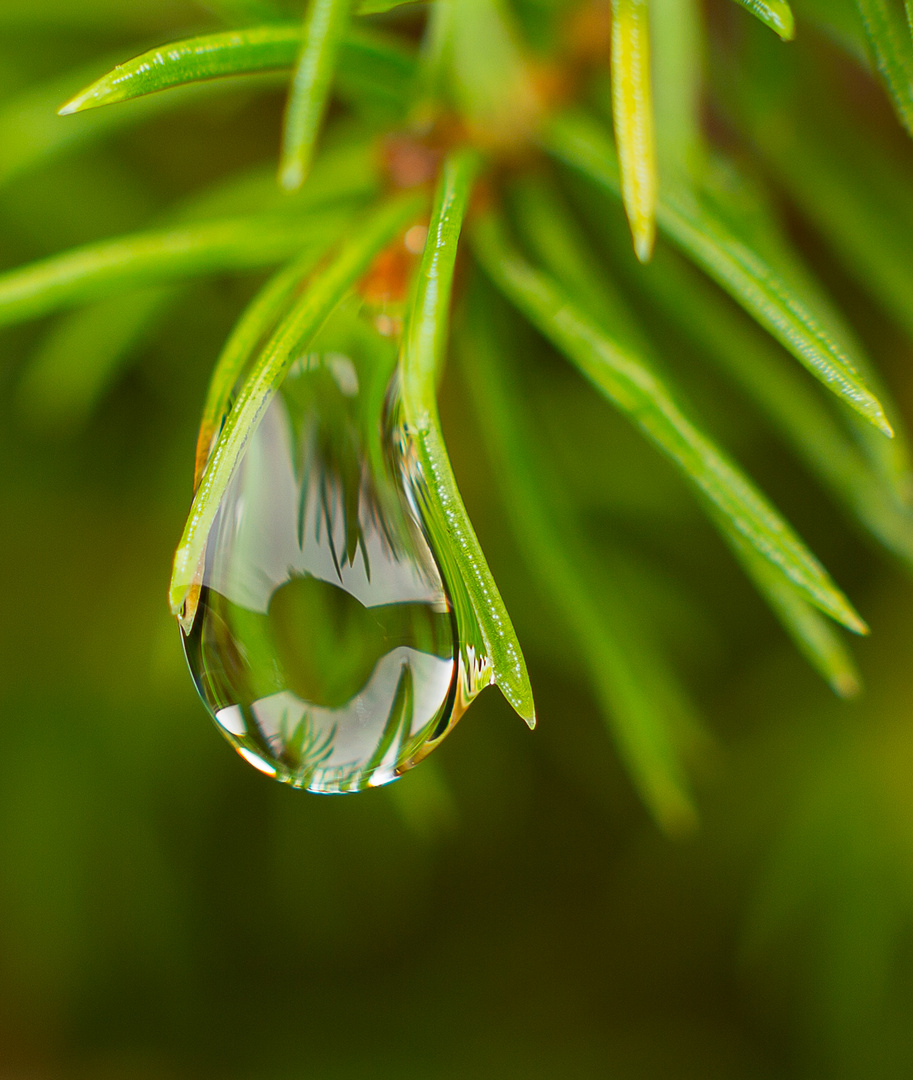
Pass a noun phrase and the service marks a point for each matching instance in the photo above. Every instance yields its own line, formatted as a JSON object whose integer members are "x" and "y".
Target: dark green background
{"x": 506, "y": 911}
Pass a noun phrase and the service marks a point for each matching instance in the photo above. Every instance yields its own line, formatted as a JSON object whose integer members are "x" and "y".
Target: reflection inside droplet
{"x": 325, "y": 642}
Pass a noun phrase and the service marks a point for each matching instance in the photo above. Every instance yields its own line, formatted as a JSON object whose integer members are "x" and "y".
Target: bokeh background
{"x": 508, "y": 910}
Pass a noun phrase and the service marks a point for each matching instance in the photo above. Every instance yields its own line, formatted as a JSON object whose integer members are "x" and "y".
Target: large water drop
{"x": 325, "y": 643}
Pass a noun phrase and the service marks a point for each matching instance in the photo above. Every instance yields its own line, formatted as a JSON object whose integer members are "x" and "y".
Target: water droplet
{"x": 326, "y": 644}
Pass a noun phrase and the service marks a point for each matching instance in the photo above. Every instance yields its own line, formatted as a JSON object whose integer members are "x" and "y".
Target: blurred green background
{"x": 507, "y": 910}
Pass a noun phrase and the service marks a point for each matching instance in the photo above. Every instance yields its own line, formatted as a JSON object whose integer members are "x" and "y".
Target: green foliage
{"x": 81, "y": 275}
{"x": 642, "y": 701}
{"x": 325, "y": 24}
{"x": 775, "y": 301}
{"x": 632, "y": 113}
{"x": 635, "y": 390}
{"x": 162, "y": 913}
{"x": 888, "y": 36}
{"x": 472, "y": 81}
{"x": 424, "y": 346}
{"x": 367, "y": 62}
{"x": 774, "y": 13}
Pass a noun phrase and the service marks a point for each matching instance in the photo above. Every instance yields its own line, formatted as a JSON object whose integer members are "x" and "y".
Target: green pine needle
{"x": 378, "y": 7}
{"x": 424, "y": 343}
{"x": 889, "y": 40}
{"x": 776, "y": 14}
{"x": 792, "y": 405}
{"x": 97, "y": 270}
{"x": 832, "y": 169}
{"x": 324, "y": 26}
{"x": 632, "y": 109}
{"x": 489, "y": 89}
{"x": 636, "y": 391}
{"x": 751, "y": 360}
{"x": 211, "y": 56}
{"x": 814, "y": 636}
{"x": 33, "y": 135}
{"x": 367, "y": 60}
{"x": 643, "y": 704}
{"x": 728, "y": 259}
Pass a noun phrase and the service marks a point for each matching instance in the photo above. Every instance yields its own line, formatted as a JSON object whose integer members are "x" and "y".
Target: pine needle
{"x": 815, "y": 638}
{"x": 639, "y": 394}
{"x": 639, "y": 696}
{"x": 892, "y": 50}
{"x": 632, "y": 109}
{"x": 97, "y": 270}
{"x": 739, "y": 268}
{"x": 371, "y": 66}
{"x": 776, "y": 14}
{"x": 324, "y": 26}
{"x": 424, "y": 343}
